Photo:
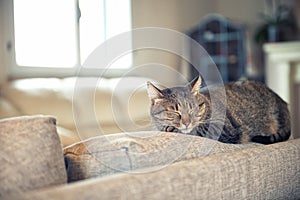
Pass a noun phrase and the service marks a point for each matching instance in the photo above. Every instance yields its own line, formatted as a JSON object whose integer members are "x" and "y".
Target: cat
{"x": 251, "y": 112}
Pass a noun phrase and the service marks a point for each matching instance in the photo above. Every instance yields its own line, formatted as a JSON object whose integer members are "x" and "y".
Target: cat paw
{"x": 171, "y": 129}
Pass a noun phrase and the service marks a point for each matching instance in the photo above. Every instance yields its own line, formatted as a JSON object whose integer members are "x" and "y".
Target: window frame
{"x": 13, "y": 70}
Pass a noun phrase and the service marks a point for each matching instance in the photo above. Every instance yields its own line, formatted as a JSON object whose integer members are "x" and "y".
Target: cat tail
{"x": 284, "y": 128}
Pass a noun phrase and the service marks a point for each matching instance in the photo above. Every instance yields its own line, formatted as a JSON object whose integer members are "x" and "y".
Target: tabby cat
{"x": 250, "y": 112}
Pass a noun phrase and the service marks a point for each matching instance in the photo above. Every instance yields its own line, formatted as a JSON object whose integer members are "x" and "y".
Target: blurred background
{"x": 45, "y": 42}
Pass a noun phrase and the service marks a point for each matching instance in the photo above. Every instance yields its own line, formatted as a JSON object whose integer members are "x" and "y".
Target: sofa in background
{"x": 120, "y": 104}
{"x": 141, "y": 165}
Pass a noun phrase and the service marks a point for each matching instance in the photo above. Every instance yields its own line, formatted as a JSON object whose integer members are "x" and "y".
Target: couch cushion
{"x": 31, "y": 155}
{"x": 108, "y": 104}
{"x": 67, "y": 137}
{"x": 115, "y": 105}
{"x": 7, "y": 109}
{"x": 48, "y": 96}
{"x": 264, "y": 172}
{"x": 104, "y": 155}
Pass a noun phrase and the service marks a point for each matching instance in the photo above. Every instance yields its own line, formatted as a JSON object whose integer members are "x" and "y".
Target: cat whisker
{"x": 141, "y": 120}
{"x": 211, "y": 121}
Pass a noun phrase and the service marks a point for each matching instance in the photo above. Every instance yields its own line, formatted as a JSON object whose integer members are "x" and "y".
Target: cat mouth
{"x": 186, "y": 130}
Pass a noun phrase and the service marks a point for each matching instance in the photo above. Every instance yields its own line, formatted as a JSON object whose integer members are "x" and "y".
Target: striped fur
{"x": 248, "y": 112}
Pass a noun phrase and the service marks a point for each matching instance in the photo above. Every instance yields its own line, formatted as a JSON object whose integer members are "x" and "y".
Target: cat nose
{"x": 186, "y": 121}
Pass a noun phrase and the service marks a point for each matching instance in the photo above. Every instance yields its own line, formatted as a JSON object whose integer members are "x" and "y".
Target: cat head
{"x": 181, "y": 108}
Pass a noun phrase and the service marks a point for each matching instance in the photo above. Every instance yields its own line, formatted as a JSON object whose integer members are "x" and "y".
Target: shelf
{"x": 225, "y": 42}
{"x": 219, "y": 37}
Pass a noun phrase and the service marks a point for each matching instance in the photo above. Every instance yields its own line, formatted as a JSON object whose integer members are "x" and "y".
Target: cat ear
{"x": 195, "y": 84}
{"x": 153, "y": 91}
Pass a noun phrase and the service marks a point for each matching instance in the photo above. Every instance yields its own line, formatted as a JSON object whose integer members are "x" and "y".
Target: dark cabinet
{"x": 224, "y": 42}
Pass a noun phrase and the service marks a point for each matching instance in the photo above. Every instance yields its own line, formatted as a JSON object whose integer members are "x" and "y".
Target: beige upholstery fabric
{"x": 7, "y": 109}
{"x": 101, "y": 156}
{"x": 264, "y": 172}
{"x": 112, "y": 103}
{"x": 114, "y": 100}
{"x": 66, "y": 136}
{"x": 49, "y": 96}
{"x": 31, "y": 155}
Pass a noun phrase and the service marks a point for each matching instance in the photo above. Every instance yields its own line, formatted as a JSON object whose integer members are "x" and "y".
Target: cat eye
{"x": 158, "y": 112}
{"x": 201, "y": 104}
{"x": 170, "y": 108}
{"x": 176, "y": 106}
{"x": 172, "y": 113}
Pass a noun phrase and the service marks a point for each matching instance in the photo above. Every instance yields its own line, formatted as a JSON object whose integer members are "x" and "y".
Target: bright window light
{"x": 92, "y": 24}
{"x": 116, "y": 26}
{"x": 101, "y": 20}
{"x": 48, "y": 33}
{"x": 45, "y": 33}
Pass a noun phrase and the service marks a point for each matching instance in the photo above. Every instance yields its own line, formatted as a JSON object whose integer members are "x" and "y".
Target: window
{"x": 59, "y": 35}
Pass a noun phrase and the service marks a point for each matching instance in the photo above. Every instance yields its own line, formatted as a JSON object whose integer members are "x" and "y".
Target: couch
{"x": 140, "y": 165}
{"x": 121, "y": 104}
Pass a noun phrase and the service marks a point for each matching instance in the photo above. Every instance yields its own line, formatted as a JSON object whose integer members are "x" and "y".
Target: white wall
{"x": 179, "y": 15}
{"x": 174, "y": 14}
